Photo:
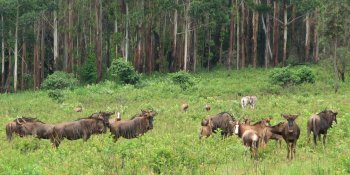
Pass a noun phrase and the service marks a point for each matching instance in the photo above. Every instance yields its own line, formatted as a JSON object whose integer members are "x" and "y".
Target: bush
{"x": 59, "y": 80}
{"x": 286, "y": 76}
{"x": 124, "y": 72}
{"x": 88, "y": 71}
{"x": 56, "y": 95}
{"x": 183, "y": 79}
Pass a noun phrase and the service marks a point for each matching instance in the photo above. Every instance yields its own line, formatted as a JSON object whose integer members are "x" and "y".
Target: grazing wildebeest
{"x": 290, "y": 134}
{"x": 184, "y": 107}
{"x": 11, "y": 127}
{"x": 250, "y": 137}
{"x": 207, "y": 126}
{"x": 35, "y": 127}
{"x": 207, "y": 107}
{"x": 249, "y": 100}
{"x": 137, "y": 125}
{"x": 223, "y": 121}
{"x": 82, "y": 128}
{"x": 320, "y": 123}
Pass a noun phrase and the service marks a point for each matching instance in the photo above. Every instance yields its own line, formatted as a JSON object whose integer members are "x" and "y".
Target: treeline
{"x": 39, "y": 37}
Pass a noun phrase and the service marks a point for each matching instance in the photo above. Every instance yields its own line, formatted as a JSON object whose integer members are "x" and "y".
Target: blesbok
{"x": 207, "y": 128}
{"x": 82, "y": 128}
{"x": 134, "y": 127}
{"x": 290, "y": 134}
{"x": 320, "y": 123}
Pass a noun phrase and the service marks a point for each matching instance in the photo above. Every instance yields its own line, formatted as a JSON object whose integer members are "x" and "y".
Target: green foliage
{"x": 123, "y": 72}
{"x": 88, "y": 71}
{"x": 56, "y": 95}
{"x": 183, "y": 79}
{"x": 59, "y": 80}
{"x": 285, "y": 76}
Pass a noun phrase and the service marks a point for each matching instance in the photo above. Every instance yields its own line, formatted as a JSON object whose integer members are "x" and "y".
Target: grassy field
{"x": 173, "y": 147}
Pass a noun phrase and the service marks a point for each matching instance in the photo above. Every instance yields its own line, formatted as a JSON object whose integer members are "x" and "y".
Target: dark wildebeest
{"x": 35, "y": 127}
{"x": 137, "y": 125}
{"x": 207, "y": 128}
{"x": 82, "y": 128}
{"x": 249, "y": 135}
{"x": 223, "y": 121}
{"x": 320, "y": 123}
{"x": 290, "y": 134}
{"x": 11, "y": 127}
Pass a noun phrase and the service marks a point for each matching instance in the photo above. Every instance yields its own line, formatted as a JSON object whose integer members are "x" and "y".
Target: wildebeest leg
{"x": 86, "y": 137}
{"x": 115, "y": 138}
{"x": 288, "y": 147}
{"x": 324, "y": 138}
{"x": 315, "y": 137}
{"x": 294, "y": 149}
{"x": 308, "y": 135}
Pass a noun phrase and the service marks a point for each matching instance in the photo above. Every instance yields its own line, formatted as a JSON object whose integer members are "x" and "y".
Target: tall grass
{"x": 173, "y": 147}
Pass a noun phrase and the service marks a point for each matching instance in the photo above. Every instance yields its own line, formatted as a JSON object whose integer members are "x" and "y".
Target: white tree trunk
{"x": 285, "y": 32}
{"x": 127, "y": 32}
{"x": 237, "y": 37}
{"x": 16, "y": 52}
{"x": 116, "y": 31}
{"x": 187, "y": 26}
{"x": 55, "y": 39}
{"x": 307, "y": 37}
{"x": 2, "y": 52}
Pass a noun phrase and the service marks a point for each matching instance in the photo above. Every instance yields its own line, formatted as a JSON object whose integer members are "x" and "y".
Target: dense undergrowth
{"x": 173, "y": 147}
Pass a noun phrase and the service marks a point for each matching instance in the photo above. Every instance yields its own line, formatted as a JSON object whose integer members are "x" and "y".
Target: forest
{"x": 40, "y": 37}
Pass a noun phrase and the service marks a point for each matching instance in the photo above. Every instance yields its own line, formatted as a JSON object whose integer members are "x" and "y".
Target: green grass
{"x": 173, "y": 147}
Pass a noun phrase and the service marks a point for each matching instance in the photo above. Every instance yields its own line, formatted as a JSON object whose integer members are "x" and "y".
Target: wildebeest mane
{"x": 221, "y": 114}
{"x": 29, "y": 119}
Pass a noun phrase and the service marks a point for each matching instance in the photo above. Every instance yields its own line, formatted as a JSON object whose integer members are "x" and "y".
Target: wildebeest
{"x": 11, "y": 127}
{"x": 274, "y": 133}
{"x": 320, "y": 123}
{"x": 35, "y": 127}
{"x": 207, "y": 126}
{"x": 184, "y": 107}
{"x": 290, "y": 134}
{"x": 137, "y": 125}
{"x": 82, "y": 128}
{"x": 223, "y": 121}
{"x": 207, "y": 107}
{"x": 249, "y": 100}
{"x": 249, "y": 135}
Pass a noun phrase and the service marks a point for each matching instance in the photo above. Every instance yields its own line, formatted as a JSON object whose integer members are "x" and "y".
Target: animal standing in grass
{"x": 207, "y": 107}
{"x": 249, "y": 100}
{"x": 35, "y": 127}
{"x": 320, "y": 123}
{"x": 207, "y": 128}
{"x": 81, "y": 128}
{"x": 184, "y": 107}
{"x": 136, "y": 126}
{"x": 12, "y": 127}
{"x": 223, "y": 121}
{"x": 290, "y": 134}
{"x": 250, "y": 137}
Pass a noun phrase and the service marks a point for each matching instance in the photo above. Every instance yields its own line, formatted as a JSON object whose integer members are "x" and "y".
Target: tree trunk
{"x": 221, "y": 43}
{"x": 70, "y": 37}
{"x": 9, "y": 72}
{"x": 173, "y": 53}
{"x": 268, "y": 53}
{"x": 187, "y": 26}
{"x": 255, "y": 23}
{"x": 16, "y": 52}
{"x": 2, "y": 54}
{"x": 98, "y": 39}
{"x": 237, "y": 36}
{"x": 307, "y": 37}
{"x": 242, "y": 36}
{"x": 285, "y": 32}
{"x": 232, "y": 36}
{"x": 127, "y": 32}
{"x": 194, "y": 49}
{"x": 292, "y": 32}
{"x": 23, "y": 64}
{"x": 275, "y": 32}
{"x": 116, "y": 32}
{"x": 55, "y": 40}
{"x": 42, "y": 57}
{"x": 316, "y": 43}
{"x": 335, "y": 66}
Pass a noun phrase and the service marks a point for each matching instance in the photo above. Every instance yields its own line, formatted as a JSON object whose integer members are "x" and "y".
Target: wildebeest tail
{"x": 314, "y": 125}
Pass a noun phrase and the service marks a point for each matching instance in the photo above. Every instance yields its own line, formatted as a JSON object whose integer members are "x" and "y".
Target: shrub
{"x": 59, "y": 80}
{"x": 56, "y": 95}
{"x": 286, "y": 76}
{"x": 124, "y": 72}
{"x": 305, "y": 75}
{"x": 88, "y": 71}
{"x": 183, "y": 79}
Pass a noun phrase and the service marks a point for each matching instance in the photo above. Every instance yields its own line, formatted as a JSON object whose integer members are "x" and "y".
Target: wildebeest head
{"x": 290, "y": 119}
{"x": 329, "y": 115}
{"x": 149, "y": 115}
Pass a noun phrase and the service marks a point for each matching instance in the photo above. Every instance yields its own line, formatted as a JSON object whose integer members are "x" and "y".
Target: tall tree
{"x": 275, "y": 31}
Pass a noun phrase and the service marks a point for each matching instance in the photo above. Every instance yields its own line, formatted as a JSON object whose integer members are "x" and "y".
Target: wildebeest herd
{"x": 83, "y": 128}
{"x": 258, "y": 134}
{"x": 254, "y": 135}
